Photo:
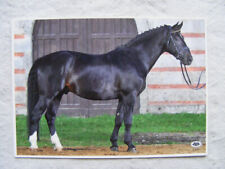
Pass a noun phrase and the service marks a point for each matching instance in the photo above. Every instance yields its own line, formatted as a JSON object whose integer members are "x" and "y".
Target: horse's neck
{"x": 150, "y": 50}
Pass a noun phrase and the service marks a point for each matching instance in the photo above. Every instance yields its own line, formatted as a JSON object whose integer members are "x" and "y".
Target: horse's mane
{"x": 145, "y": 35}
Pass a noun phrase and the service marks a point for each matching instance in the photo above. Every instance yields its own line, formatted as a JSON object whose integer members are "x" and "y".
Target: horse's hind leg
{"x": 50, "y": 117}
{"x": 39, "y": 109}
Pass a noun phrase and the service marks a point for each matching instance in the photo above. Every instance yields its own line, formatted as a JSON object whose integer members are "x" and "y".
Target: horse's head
{"x": 177, "y": 46}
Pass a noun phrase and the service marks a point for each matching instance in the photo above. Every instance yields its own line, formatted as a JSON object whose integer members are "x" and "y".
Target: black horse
{"x": 119, "y": 74}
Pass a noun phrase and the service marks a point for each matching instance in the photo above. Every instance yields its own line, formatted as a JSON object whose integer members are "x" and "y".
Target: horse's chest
{"x": 131, "y": 82}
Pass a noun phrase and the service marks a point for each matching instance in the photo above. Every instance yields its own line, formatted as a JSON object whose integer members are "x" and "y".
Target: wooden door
{"x": 93, "y": 36}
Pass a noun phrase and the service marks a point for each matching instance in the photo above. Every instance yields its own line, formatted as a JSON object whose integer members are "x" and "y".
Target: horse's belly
{"x": 95, "y": 87}
{"x": 97, "y": 93}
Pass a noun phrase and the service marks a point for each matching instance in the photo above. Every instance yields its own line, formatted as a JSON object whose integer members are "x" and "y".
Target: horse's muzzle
{"x": 187, "y": 60}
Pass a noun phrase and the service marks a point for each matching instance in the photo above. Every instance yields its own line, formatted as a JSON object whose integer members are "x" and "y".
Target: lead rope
{"x": 188, "y": 80}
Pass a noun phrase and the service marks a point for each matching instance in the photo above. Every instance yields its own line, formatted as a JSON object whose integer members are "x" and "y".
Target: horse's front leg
{"x": 128, "y": 113}
{"x": 118, "y": 123}
{"x": 124, "y": 113}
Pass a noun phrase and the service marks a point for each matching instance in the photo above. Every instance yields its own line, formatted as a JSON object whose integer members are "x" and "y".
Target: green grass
{"x": 96, "y": 131}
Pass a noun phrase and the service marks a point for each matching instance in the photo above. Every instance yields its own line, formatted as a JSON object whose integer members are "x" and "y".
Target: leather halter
{"x": 171, "y": 40}
{"x": 183, "y": 67}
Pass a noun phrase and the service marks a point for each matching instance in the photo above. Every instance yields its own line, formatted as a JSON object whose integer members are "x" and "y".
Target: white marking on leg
{"x": 33, "y": 140}
{"x": 55, "y": 140}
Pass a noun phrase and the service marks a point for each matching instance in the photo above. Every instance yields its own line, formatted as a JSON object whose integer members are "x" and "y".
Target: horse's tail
{"x": 32, "y": 97}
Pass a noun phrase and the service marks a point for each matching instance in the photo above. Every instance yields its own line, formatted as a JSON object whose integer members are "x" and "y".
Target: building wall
{"x": 166, "y": 91}
{"x": 22, "y": 57}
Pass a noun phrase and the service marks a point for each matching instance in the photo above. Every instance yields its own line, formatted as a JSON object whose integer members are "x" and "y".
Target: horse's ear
{"x": 177, "y": 26}
{"x": 174, "y": 26}
{"x": 180, "y": 25}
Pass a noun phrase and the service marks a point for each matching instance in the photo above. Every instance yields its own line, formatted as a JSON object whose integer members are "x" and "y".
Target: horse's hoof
{"x": 58, "y": 149}
{"x": 133, "y": 150}
{"x": 33, "y": 148}
{"x": 113, "y": 148}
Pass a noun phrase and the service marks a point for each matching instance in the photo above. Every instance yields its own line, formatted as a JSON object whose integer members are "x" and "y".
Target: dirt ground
{"x": 158, "y": 149}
